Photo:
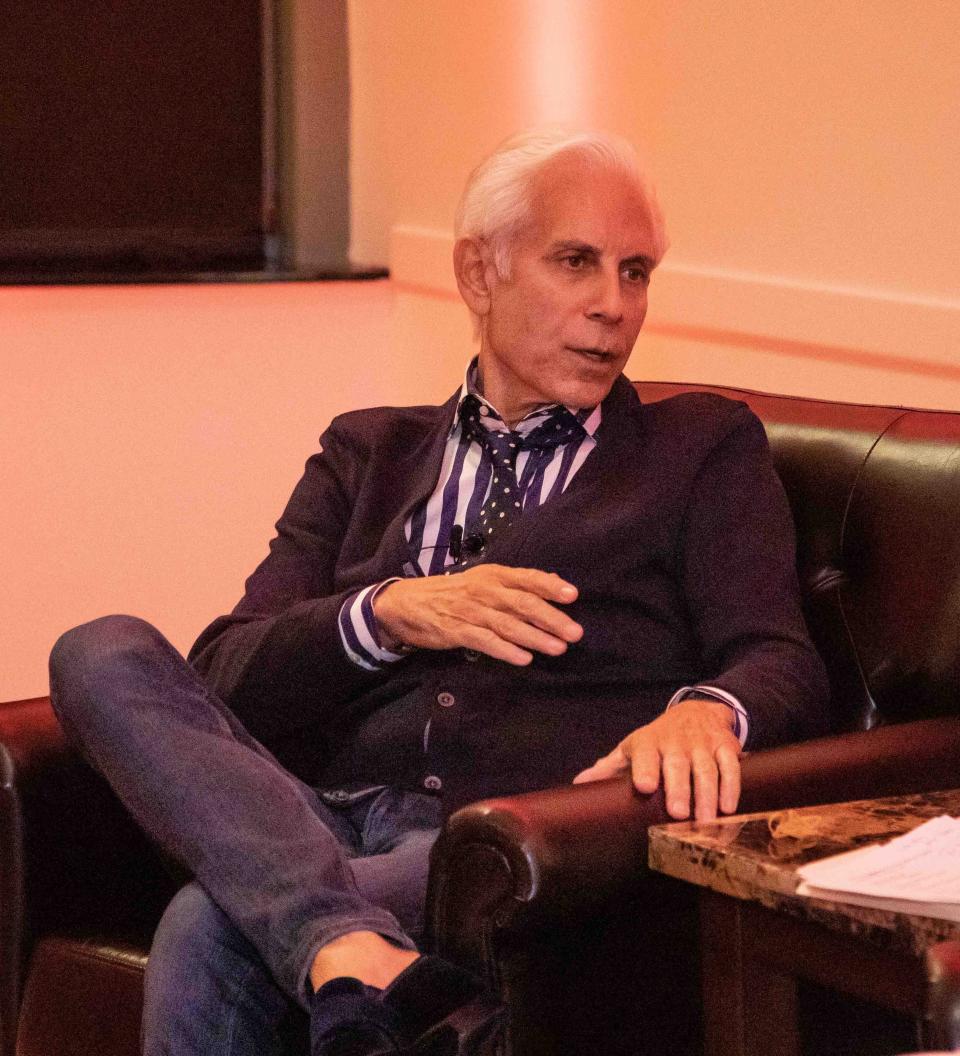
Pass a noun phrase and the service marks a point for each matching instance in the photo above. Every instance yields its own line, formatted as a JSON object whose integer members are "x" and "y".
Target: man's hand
{"x": 508, "y": 613}
{"x": 692, "y": 742}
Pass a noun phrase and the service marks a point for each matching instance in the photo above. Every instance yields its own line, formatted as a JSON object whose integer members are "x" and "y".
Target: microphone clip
{"x": 460, "y": 544}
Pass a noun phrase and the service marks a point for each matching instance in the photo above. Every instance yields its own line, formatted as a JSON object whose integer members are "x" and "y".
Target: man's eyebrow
{"x": 568, "y": 244}
{"x": 648, "y": 263}
{"x": 572, "y": 245}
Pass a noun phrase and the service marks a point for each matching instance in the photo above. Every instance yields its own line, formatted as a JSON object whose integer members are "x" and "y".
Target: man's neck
{"x": 511, "y": 415}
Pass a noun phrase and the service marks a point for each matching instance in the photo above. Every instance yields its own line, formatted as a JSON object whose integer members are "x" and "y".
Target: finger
{"x": 644, "y": 767}
{"x": 609, "y": 766}
{"x": 502, "y": 590}
{"x": 514, "y": 630}
{"x": 728, "y": 760}
{"x": 706, "y": 781}
{"x": 484, "y": 640}
{"x": 676, "y": 785}
{"x": 535, "y": 621}
{"x": 541, "y": 614}
{"x": 546, "y": 585}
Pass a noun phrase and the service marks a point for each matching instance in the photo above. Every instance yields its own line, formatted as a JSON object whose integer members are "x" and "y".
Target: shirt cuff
{"x": 741, "y": 721}
{"x": 359, "y": 631}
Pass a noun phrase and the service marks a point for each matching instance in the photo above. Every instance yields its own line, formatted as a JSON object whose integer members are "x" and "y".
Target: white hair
{"x": 497, "y": 199}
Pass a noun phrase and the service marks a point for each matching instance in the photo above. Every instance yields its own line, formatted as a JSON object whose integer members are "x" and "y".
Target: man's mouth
{"x": 599, "y": 355}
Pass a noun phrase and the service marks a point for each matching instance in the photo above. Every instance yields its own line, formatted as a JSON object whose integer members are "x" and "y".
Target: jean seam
{"x": 239, "y": 989}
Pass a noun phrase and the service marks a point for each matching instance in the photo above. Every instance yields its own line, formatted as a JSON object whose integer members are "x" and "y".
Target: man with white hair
{"x": 540, "y": 581}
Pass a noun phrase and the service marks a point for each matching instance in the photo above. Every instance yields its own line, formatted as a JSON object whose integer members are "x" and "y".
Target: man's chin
{"x": 588, "y": 392}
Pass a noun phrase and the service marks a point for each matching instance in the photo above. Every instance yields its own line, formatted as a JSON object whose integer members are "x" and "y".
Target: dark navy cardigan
{"x": 676, "y": 532}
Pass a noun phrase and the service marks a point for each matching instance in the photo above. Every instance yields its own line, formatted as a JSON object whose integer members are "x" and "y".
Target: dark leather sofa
{"x": 548, "y": 893}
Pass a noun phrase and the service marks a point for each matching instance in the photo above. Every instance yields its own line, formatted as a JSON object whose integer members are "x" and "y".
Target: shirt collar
{"x": 588, "y": 417}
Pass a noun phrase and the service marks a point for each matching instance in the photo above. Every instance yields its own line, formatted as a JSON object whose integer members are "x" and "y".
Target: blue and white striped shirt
{"x": 462, "y": 486}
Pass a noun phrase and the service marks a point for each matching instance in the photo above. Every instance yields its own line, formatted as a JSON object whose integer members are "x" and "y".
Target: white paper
{"x": 920, "y": 869}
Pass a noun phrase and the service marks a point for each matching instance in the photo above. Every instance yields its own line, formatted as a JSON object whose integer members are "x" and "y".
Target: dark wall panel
{"x": 131, "y": 130}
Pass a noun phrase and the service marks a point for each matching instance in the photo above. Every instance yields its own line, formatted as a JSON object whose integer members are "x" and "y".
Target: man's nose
{"x": 606, "y": 302}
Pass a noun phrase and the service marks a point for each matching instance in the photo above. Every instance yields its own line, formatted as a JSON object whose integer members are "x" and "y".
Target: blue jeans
{"x": 279, "y": 868}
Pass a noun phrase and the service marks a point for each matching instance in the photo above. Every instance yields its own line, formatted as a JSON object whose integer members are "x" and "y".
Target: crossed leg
{"x": 275, "y": 881}
{"x": 208, "y": 991}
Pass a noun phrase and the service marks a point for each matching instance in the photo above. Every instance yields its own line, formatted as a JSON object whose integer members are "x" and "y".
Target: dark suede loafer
{"x": 348, "y": 1018}
{"x": 475, "y": 1029}
{"x": 445, "y": 1011}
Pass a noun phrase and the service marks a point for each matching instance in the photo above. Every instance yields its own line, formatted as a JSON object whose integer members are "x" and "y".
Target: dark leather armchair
{"x": 548, "y": 893}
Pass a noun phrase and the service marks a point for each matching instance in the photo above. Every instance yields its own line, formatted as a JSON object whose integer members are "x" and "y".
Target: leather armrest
{"x": 503, "y": 863}
{"x": 29, "y": 739}
{"x": 83, "y": 866}
{"x": 563, "y": 848}
{"x": 32, "y": 737}
{"x": 507, "y": 864}
{"x": 11, "y": 903}
{"x": 896, "y": 760}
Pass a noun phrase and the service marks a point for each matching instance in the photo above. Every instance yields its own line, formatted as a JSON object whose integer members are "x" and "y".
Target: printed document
{"x": 917, "y": 873}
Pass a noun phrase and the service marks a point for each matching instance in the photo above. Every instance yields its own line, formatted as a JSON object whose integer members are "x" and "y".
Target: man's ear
{"x": 475, "y": 271}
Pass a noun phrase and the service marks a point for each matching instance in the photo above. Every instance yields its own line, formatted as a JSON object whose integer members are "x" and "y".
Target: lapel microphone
{"x": 473, "y": 544}
{"x": 455, "y": 546}
{"x": 458, "y": 545}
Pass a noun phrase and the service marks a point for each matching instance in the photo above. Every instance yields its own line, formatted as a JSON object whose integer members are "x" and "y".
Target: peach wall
{"x": 808, "y": 157}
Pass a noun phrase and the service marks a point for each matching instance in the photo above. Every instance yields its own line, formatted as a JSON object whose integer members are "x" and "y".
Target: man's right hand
{"x": 508, "y": 613}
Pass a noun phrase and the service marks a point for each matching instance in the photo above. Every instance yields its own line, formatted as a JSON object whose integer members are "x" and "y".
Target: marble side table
{"x": 759, "y": 938}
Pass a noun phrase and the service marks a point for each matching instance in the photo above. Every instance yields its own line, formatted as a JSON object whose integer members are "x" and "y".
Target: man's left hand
{"x": 694, "y": 745}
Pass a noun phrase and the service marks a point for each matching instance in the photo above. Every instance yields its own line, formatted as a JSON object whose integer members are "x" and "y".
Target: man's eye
{"x": 576, "y": 261}
{"x": 636, "y": 274}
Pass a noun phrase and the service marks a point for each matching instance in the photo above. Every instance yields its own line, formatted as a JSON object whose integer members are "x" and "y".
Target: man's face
{"x": 562, "y": 326}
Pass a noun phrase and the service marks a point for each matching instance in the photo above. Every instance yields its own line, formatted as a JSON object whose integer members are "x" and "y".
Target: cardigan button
{"x": 446, "y": 700}
{"x": 433, "y": 783}
{"x": 471, "y": 655}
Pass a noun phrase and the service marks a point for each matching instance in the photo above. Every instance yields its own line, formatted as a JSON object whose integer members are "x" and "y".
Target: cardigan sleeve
{"x": 738, "y": 568}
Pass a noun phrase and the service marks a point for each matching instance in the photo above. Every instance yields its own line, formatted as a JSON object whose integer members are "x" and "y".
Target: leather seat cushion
{"x": 82, "y": 998}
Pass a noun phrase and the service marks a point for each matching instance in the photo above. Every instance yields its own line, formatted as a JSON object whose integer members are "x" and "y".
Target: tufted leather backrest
{"x": 875, "y": 493}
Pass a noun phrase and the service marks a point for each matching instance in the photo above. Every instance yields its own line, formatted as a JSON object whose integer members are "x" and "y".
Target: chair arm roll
{"x": 33, "y": 739}
{"x": 503, "y": 866}
{"x": 82, "y": 865}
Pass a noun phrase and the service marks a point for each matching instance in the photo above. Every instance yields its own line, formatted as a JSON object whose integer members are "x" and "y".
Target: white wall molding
{"x": 699, "y": 301}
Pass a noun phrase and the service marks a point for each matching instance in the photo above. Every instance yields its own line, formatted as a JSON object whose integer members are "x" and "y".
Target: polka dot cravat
{"x": 504, "y": 503}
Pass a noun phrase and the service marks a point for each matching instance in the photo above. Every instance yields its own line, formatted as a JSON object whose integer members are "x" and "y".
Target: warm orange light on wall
{"x": 558, "y": 60}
